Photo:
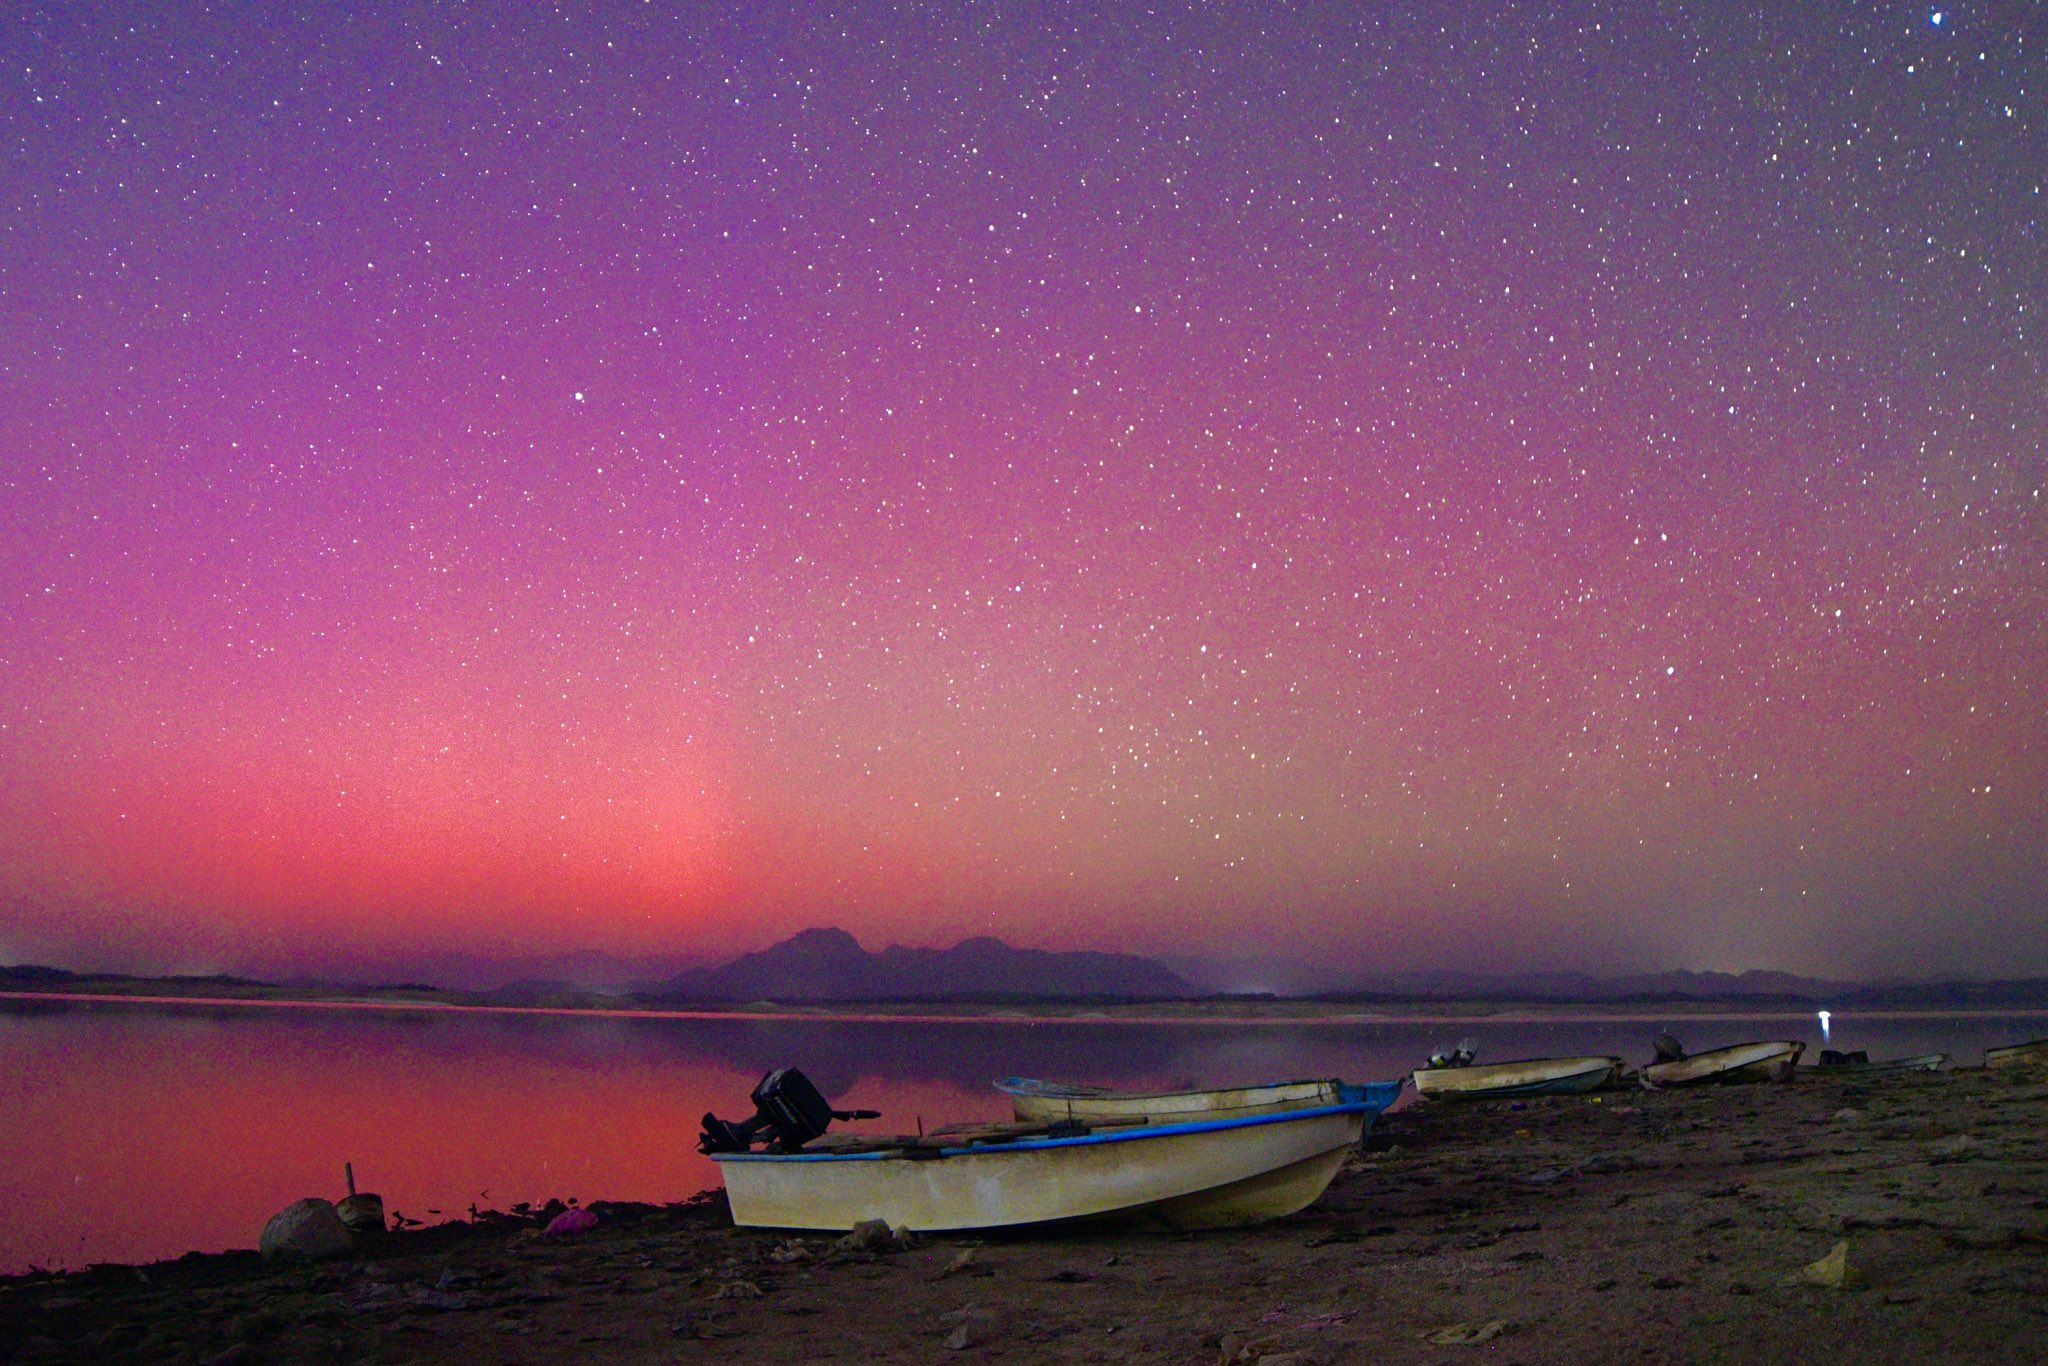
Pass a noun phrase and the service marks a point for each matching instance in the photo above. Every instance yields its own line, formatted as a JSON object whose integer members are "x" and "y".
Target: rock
{"x": 1832, "y": 1271}
{"x": 963, "y": 1261}
{"x": 866, "y": 1236}
{"x": 701, "y": 1326}
{"x": 968, "y": 1321}
{"x": 737, "y": 1290}
{"x": 308, "y": 1229}
{"x": 362, "y": 1213}
{"x": 570, "y": 1222}
{"x": 1458, "y": 1334}
{"x": 1239, "y": 1348}
{"x": 1848, "y": 1115}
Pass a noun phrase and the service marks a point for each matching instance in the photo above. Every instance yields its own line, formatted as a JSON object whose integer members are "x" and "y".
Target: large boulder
{"x": 308, "y": 1229}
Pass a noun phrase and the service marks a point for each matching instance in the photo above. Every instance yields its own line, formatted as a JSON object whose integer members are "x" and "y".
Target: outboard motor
{"x": 1667, "y": 1048}
{"x": 788, "y": 1113}
{"x": 1444, "y": 1055}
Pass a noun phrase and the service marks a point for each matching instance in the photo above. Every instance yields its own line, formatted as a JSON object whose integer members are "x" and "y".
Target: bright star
{"x": 1937, "y": 16}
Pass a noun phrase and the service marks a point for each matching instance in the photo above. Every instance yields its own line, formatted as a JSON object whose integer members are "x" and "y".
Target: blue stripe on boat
{"x": 1367, "y": 1107}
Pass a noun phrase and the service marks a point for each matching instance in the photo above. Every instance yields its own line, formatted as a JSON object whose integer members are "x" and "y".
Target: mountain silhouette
{"x": 830, "y": 965}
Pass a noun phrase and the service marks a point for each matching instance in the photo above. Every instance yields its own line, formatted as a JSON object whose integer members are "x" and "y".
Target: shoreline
{"x": 1286, "y": 1013}
{"x": 1580, "y": 1228}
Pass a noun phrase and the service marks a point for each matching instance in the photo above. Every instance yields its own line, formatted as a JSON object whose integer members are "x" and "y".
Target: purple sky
{"x": 1454, "y": 485}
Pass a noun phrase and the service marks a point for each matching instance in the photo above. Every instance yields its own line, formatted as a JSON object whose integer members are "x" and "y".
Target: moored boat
{"x": 1203, "y": 1174}
{"x": 1048, "y": 1101}
{"x": 1506, "y": 1080}
{"x": 2031, "y": 1054}
{"x": 1772, "y": 1060}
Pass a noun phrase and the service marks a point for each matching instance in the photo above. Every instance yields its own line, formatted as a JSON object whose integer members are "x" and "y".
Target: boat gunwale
{"x": 1609, "y": 1058}
{"x": 1918, "y": 1062}
{"x": 1732, "y": 1047}
{"x": 1785, "y": 1051}
{"x": 1059, "y": 1090}
{"x": 1123, "y": 1135}
{"x": 2016, "y": 1049}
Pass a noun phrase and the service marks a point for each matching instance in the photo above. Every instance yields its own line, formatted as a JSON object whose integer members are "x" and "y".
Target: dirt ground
{"x": 1632, "y": 1226}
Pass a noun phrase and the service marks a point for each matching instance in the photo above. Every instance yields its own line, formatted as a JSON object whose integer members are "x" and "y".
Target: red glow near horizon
{"x": 1193, "y": 482}
{"x": 156, "y": 1160}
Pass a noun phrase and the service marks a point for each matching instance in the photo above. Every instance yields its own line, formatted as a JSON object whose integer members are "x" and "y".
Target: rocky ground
{"x": 1665, "y": 1226}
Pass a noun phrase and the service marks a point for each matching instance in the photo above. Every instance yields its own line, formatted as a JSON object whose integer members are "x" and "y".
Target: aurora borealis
{"x": 1424, "y": 485}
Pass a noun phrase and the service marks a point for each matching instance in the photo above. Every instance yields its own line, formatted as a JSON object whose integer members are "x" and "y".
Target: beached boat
{"x": 1859, "y": 1064}
{"x": 1203, "y": 1174}
{"x": 1507, "y": 1080}
{"x": 1046, "y": 1101}
{"x": 1768, "y": 1061}
{"x": 2031, "y": 1054}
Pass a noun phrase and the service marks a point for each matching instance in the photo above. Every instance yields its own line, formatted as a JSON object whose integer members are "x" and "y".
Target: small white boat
{"x": 1768, "y": 1061}
{"x": 1923, "y": 1062}
{"x": 1507, "y": 1080}
{"x": 1204, "y": 1174}
{"x": 2031, "y": 1054}
{"x": 1050, "y": 1101}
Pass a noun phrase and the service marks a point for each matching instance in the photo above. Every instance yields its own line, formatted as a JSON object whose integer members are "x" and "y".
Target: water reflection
{"x": 137, "y": 1132}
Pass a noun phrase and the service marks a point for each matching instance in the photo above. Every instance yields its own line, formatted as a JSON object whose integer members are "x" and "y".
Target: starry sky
{"x": 1481, "y": 485}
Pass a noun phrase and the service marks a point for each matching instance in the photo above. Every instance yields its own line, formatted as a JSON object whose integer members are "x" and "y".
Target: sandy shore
{"x": 1630, "y": 1227}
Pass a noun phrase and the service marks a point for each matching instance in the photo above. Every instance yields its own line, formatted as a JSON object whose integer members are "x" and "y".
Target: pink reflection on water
{"x": 137, "y": 1136}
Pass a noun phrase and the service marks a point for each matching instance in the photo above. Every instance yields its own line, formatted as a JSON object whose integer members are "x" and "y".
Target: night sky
{"x": 1471, "y": 485}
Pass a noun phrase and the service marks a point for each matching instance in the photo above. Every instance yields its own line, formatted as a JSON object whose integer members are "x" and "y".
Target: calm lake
{"x": 136, "y": 1132}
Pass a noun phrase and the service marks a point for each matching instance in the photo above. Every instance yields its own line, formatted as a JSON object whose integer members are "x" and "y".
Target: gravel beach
{"x": 1629, "y": 1226}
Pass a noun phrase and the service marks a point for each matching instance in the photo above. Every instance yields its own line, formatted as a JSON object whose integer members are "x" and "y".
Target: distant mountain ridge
{"x": 1580, "y": 986}
{"x": 831, "y": 965}
{"x": 1756, "y": 985}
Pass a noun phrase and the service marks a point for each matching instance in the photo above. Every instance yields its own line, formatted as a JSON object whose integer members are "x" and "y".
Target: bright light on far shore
{"x": 1824, "y": 1024}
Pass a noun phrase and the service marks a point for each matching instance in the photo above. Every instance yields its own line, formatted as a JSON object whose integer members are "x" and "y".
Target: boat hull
{"x": 1743, "y": 1062}
{"x": 1210, "y": 1174}
{"x": 1041, "y": 1102}
{"x": 1508, "y": 1080}
{"x": 1925, "y": 1062}
{"x": 2032, "y": 1054}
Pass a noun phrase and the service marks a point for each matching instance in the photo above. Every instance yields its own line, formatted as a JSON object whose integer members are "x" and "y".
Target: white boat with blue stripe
{"x": 1209, "y": 1173}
